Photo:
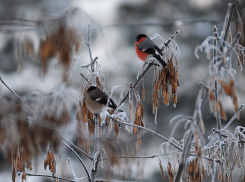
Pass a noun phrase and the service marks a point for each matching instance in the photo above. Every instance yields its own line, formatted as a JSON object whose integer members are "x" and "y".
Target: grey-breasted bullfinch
{"x": 97, "y": 100}
{"x": 145, "y": 47}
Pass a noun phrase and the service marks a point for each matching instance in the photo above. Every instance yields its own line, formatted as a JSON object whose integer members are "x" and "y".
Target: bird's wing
{"x": 101, "y": 100}
{"x": 158, "y": 50}
{"x": 149, "y": 47}
{"x": 146, "y": 44}
{"x": 112, "y": 104}
{"x": 102, "y": 97}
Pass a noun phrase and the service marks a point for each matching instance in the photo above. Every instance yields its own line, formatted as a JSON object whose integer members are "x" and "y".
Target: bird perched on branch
{"x": 97, "y": 100}
{"x": 146, "y": 48}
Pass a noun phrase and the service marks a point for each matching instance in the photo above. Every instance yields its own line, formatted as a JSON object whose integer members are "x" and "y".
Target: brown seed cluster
{"x": 51, "y": 162}
{"x": 170, "y": 172}
{"x": 161, "y": 168}
{"x": 196, "y": 171}
{"x": 29, "y": 126}
{"x": 84, "y": 116}
{"x": 59, "y": 43}
{"x": 138, "y": 120}
{"x": 229, "y": 89}
{"x": 166, "y": 77}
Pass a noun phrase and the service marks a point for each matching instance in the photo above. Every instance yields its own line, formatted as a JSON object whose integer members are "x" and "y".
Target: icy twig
{"x": 225, "y": 128}
{"x": 77, "y": 148}
{"x": 17, "y": 96}
{"x": 72, "y": 170}
{"x": 80, "y": 160}
{"x": 229, "y": 20}
{"x": 54, "y": 177}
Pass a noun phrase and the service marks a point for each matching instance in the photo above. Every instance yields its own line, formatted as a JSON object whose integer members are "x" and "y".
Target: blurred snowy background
{"x": 115, "y": 24}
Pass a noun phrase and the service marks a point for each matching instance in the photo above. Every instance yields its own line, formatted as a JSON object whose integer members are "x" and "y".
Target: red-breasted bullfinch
{"x": 145, "y": 47}
{"x": 97, "y": 100}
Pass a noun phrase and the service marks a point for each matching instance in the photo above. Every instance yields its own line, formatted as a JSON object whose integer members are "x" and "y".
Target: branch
{"x": 80, "y": 160}
{"x": 225, "y": 128}
{"x": 202, "y": 97}
{"x": 95, "y": 163}
{"x": 72, "y": 170}
{"x": 87, "y": 65}
{"x": 86, "y": 79}
{"x": 77, "y": 148}
{"x": 154, "y": 156}
{"x": 229, "y": 19}
{"x": 134, "y": 85}
{"x": 17, "y": 96}
{"x": 54, "y": 177}
{"x": 149, "y": 130}
{"x": 88, "y": 43}
{"x": 185, "y": 152}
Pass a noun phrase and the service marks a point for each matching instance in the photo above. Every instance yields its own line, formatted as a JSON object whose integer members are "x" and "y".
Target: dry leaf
{"x": 13, "y": 173}
{"x": 170, "y": 173}
{"x": 138, "y": 141}
{"x": 138, "y": 118}
{"x": 230, "y": 35}
{"x": 58, "y": 43}
{"x": 161, "y": 168}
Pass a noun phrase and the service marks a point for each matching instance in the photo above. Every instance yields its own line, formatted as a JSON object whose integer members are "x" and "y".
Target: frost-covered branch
{"x": 81, "y": 161}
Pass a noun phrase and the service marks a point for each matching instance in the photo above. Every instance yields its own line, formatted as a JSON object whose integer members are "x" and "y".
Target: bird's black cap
{"x": 140, "y": 36}
{"x": 91, "y": 88}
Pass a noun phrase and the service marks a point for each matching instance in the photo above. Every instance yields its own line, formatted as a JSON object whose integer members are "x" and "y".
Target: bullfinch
{"x": 97, "y": 100}
{"x": 145, "y": 48}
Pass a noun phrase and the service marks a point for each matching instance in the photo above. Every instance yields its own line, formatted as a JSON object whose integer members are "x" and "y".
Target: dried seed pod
{"x": 166, "y": 96}
{"x": 161, "y": 168}
{"x": 131, "y": 104}
{"x": 138, "y": 119}
{"x": 230, "y": 35}
{"x": 13, "y": 172}
{"x": 51, "y": 162}
{"x": 117, "y": 131}
{"x": 219, "y": 108}
{"x": 138, "y": 141}
{"x": 24, "y": 175}
{"x": 59, "y": 44}
{"x": 170, "y": 173}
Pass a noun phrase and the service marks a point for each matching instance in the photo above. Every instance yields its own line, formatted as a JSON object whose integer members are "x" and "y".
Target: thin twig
{"x": 95, "y": 164}
{"x": 77, "y": 148}
{"x": 80, "y": 160}
{"x": 149, "y": 130}
{"x": 225, "y": 128}
{"x": 88, "y": 43}
{"x": 87, "y": 65}
{"x": 72, "y": 170}
{"x": 86, "y": 79}
{"x": 134, "y": 85}
{"x": 171, "y": 38}
{"x": 17, "y": 96}
{"x": 154, "y": 156}
{"x": 54, "y": 177}
{"x": 218, "y": 120}
{"x": 202, "y": 96}
{"x": 229, "y": 20}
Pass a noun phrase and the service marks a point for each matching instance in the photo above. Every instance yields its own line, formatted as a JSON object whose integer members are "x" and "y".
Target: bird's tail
{"x": 160, "y": 60}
